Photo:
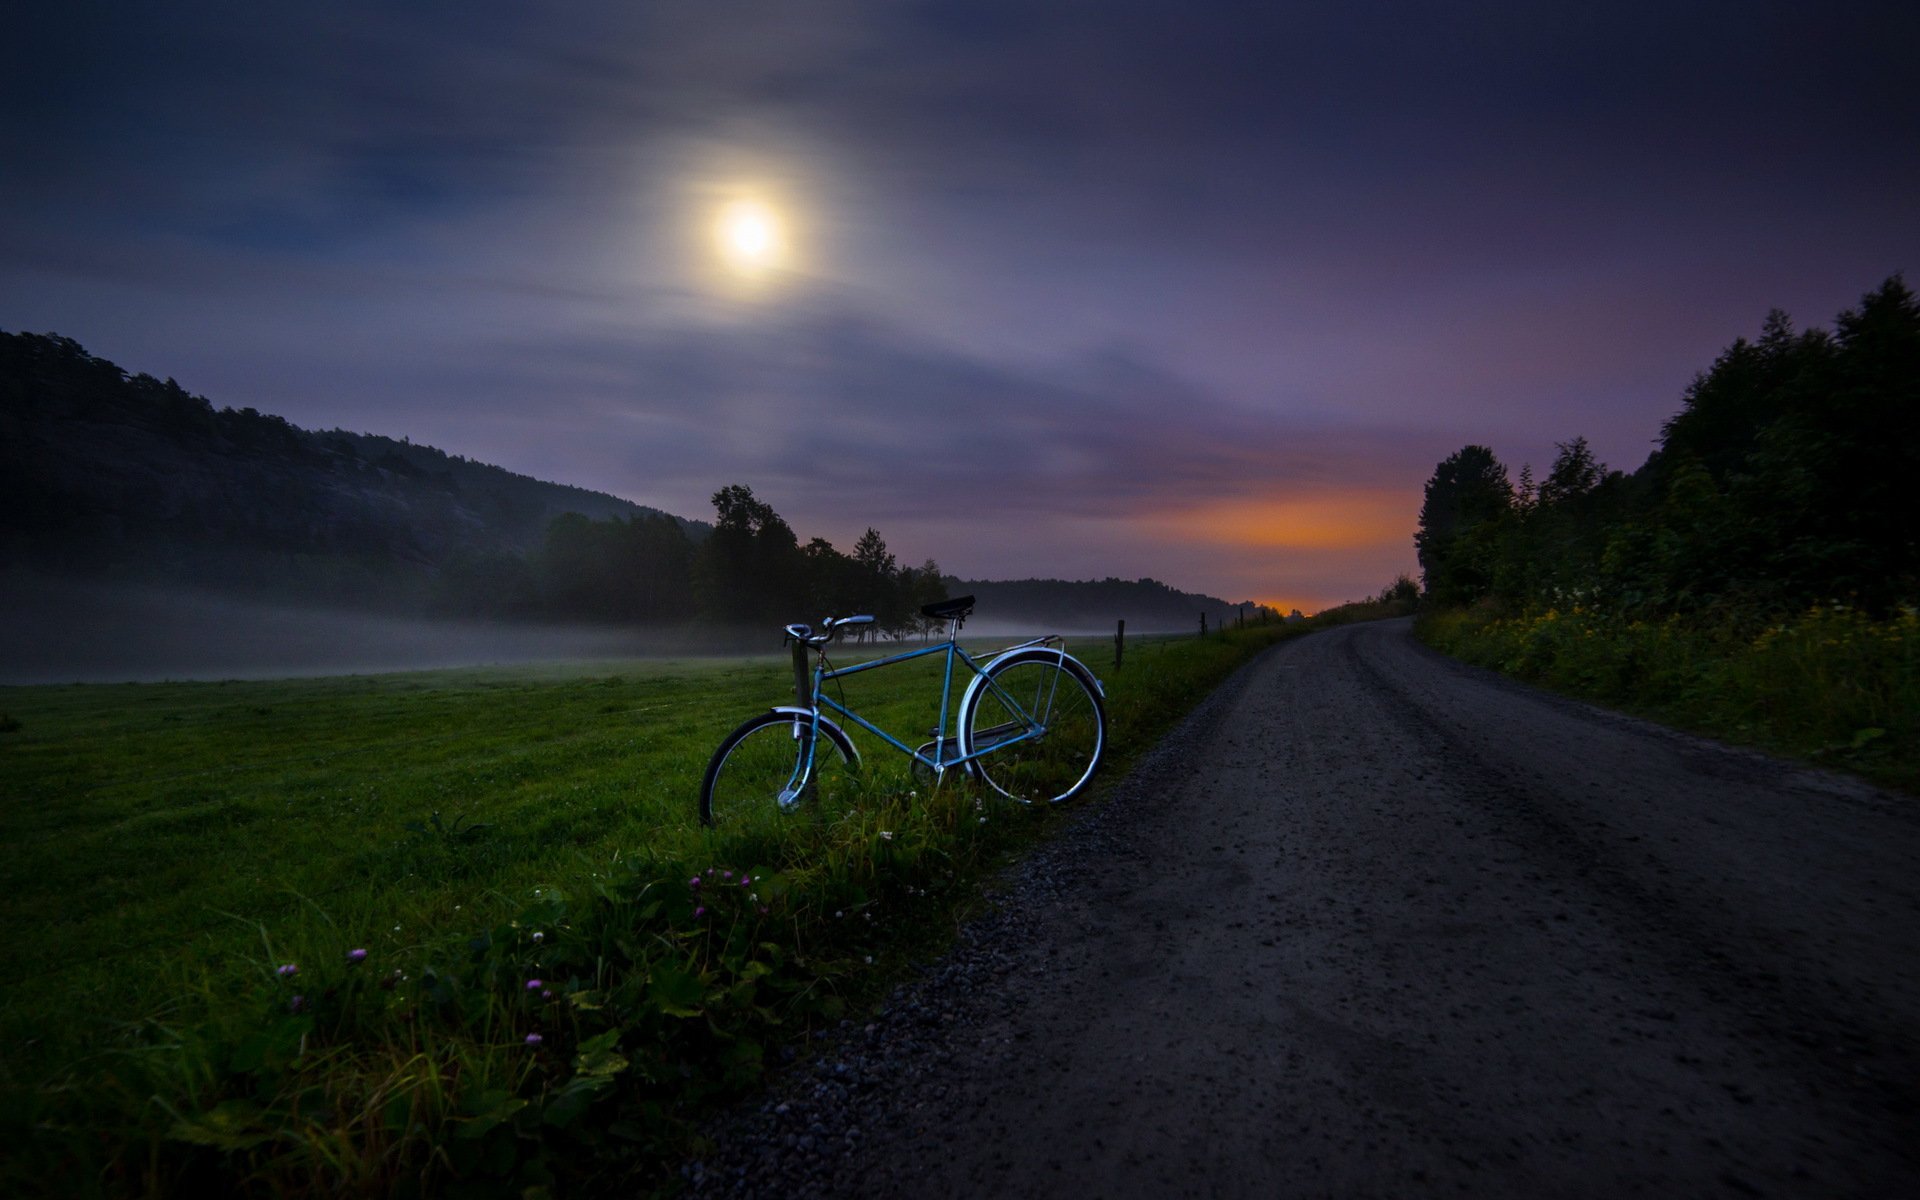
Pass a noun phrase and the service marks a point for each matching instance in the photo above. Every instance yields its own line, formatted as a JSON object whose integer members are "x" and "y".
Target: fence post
{"x": 802, "y": 676}
{"x": 1203, "y": 624}
{"x": 1119, "y": 643}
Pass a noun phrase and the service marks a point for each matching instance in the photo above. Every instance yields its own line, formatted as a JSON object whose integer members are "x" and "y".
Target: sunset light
{"x": 1322, "y": 521}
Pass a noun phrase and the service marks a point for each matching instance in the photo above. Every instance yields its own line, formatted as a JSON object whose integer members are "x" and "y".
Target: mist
{"x": 59, "y": 631}
{"x": 63, "y": 632}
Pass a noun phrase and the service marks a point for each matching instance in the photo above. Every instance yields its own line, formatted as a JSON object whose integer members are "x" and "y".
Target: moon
{"x": 750, "y": 236}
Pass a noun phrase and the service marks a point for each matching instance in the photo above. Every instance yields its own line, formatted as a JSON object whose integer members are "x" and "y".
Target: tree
{"x": 1466, "y": 498}
{"x": 881, "y": 593}
{"x": 831, "y": 578}
{"x": 1575, "y": 472}
{"x": 750, "y": 568}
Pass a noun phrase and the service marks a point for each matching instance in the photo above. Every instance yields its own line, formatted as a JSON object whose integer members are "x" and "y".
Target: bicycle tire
{"x": 1055, "y": 765}
{"x": 758, "y": 761}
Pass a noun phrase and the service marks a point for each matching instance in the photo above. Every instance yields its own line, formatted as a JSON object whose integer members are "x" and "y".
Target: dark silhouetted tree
{"x": 1466, "y": 498}
{"x": 750, "y": 568}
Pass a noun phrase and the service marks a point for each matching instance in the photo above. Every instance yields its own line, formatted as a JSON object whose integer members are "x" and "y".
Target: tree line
{"x": 751, "y": 569}
{"x": 1786, "y": 479}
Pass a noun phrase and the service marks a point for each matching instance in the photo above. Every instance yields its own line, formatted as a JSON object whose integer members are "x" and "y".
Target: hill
{"x": 114, "y": 476}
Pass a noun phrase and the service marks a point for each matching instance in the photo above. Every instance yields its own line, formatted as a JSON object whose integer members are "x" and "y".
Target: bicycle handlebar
{"x": 828, "y": 628}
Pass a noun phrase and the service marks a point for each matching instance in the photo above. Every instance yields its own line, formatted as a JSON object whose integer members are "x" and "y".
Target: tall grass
{"x": 452, "y": 931}
{"x": 1830, "y": 684}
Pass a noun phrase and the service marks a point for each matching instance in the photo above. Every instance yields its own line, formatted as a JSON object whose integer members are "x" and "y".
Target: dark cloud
{"x": 849, "y": 417}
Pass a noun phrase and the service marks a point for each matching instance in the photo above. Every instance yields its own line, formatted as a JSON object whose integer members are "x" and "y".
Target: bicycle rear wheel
{"x": 1041, "y": 721}
{"x": 756, "y": 772}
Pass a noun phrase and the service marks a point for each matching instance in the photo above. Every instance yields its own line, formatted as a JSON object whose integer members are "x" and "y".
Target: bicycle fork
{"x": 805, "y": 732}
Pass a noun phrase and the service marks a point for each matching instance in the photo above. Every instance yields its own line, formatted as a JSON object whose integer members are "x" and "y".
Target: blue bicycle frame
{"x": 939, "y": 762}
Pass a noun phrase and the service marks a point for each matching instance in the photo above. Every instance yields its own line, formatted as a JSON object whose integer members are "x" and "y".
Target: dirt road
{"x": 1375, "y": 924}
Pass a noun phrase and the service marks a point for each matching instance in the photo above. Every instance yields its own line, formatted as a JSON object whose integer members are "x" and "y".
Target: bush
{"x": 1832, "y": 683}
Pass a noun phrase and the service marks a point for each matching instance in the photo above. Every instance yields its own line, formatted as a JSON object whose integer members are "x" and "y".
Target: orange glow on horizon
{"x": 1348, "y": 520}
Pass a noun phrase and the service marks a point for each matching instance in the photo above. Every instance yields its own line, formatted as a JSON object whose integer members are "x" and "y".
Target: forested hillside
{"x": 107, "y": 475}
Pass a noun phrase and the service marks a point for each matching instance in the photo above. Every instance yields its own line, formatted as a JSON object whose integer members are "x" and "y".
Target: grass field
{"x": 172, "y": 848}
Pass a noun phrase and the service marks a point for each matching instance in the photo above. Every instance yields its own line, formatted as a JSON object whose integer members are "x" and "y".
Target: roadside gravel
{"x": 1373, "y": 923}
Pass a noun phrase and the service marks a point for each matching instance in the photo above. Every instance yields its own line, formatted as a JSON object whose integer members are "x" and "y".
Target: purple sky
{"x": 1196, "y": 291}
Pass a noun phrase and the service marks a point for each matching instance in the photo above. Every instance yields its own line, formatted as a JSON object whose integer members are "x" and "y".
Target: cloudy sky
{"x": 1196, "y": 291}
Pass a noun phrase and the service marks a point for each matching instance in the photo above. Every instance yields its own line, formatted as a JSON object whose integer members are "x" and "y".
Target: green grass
{"x": 1831, "y": 685}
{"x": 168, "y": 846}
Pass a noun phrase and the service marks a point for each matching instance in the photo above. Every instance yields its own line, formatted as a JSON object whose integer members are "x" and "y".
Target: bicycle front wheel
{"x": 1040, "y": 722}
{"x": 760, "y": 770}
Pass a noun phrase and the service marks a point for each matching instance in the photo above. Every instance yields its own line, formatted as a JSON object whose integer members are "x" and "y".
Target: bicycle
{"x": 1031, "y": 725}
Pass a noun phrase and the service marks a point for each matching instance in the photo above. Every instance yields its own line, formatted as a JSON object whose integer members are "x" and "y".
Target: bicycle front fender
{"x": 834, "y": 733}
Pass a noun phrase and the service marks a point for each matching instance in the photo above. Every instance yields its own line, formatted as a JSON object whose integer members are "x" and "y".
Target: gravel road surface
{"x": 1372, "y": 923}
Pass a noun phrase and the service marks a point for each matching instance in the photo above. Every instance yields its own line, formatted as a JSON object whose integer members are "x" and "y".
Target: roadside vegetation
{"x": 1757, "y": 579}
{"x": 454, "y": 932}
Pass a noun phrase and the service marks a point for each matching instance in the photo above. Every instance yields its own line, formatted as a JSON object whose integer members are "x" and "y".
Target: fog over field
{"x": 67, "y": 633}
{"x": 64, "y": 632}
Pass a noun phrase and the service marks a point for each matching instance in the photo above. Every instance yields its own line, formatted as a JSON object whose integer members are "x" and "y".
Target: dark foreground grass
{"x": 1831, "y": 685}
{"x": 452, "y": 932}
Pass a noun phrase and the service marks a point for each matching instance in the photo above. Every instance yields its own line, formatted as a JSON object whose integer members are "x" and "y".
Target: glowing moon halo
{"x": 750, "y": 236}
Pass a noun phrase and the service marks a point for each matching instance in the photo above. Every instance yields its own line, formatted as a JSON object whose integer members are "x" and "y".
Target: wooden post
{"x": 1203, "y": 624}
{"x": 802, "y": 676}
{"x": 1119, "y": 643}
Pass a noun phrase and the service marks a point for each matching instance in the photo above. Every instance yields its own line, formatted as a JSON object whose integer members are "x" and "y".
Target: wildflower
{"x": 356, "y": 956}
{"x": 746, "y": 881}
{"x": 886, "y": 835}
{"x": 694, "y": 882}
{"x": 753, "y": 898}
{"x": 546, "y": 994}
{"x": 983, "y": 820}
{"x": 288, "y": 970}
{"x": 538, "y": 936}
{"x": 534, "y": 1039}
{"x": 701, "y": 911}
{"x": 297, "y": 1004}
{"x": 727, "y": 875}
{"x": 869, "y": 960}
{"x": 534, "y": 985}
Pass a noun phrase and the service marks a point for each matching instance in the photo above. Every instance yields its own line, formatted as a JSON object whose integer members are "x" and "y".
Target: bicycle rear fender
{"x": 835, "y": 734}
{"x": 1067, "y": 661}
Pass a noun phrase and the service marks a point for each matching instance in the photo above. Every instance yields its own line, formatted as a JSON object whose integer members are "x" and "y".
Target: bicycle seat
{"x": 957, "y": 609}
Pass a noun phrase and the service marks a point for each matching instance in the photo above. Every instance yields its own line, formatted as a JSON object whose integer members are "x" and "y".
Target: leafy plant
{"x": 460, "y": 829}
